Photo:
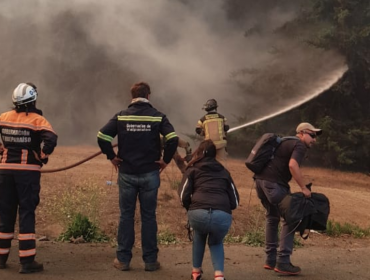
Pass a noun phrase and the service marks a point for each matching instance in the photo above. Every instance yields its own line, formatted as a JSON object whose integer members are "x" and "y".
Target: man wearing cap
{"x": 272, "y": 185}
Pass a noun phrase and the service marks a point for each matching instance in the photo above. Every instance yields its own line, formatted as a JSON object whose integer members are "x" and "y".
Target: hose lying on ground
{"x": 75, "y": 164}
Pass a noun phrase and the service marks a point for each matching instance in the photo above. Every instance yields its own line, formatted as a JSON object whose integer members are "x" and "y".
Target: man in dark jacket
{"x": 139, "y": 162}
{"x": 272, "y": 185}
{"x": 28, "y": 140}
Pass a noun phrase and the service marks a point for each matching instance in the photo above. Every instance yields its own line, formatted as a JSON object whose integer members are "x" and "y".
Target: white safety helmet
{"x": 23, "y": 94}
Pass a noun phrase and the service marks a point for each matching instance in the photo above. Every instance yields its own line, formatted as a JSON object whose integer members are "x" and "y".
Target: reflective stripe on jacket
{"x": 22, "y": 134}
{"x": 213, "y": 126}
{"x": 138, "y": 129}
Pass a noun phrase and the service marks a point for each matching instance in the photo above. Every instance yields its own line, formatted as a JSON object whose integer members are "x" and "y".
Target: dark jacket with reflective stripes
{"x": 208, "y": 185}
{"x": 138, "y": 129}
{"x": 22, "y": 134}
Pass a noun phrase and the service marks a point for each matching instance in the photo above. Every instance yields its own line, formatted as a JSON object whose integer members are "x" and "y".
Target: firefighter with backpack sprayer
{"x": 213, "y": 127}
{"x": 272, "y": 185}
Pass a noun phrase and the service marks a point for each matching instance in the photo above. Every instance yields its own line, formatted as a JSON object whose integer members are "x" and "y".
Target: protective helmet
{"x": 23, "y": 94}
{"x": 210, "y": 105}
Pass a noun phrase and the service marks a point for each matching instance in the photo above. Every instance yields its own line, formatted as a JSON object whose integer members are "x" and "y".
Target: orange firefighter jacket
{"x": 22, "y": 134}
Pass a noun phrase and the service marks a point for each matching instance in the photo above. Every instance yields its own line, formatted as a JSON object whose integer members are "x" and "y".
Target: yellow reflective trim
{"x": 219, "y": 121}
{"x": 140, "y": 118}
{"x": 105, "y": 137}
{"x": 212, "y": 116}
{"x": 214, "y": 130}
{"x": 170, "y": 136}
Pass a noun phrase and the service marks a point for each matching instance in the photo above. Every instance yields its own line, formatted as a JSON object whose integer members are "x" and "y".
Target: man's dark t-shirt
{"x": 277, "y": 169}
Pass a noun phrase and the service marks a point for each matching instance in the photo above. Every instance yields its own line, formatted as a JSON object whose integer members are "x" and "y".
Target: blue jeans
{"x": 145, "y": 186}
{"x": 270, "y": 195}
{"x": 213, "y": 224}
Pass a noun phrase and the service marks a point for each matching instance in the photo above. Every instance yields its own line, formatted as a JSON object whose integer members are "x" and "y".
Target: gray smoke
{"x": 85, "y": 54}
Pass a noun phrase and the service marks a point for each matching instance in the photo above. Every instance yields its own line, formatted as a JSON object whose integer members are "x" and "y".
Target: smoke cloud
{"x": 84, "y": 55}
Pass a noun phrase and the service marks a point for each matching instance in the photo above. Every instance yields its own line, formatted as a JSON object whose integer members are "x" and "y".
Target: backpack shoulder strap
{"x": 289, "y": 138}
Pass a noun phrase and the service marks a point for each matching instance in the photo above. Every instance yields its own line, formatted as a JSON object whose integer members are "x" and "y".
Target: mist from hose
{"x": 327, "y": 83}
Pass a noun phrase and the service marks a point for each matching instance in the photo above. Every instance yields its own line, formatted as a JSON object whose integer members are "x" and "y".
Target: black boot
{"x": 31, "y": 267}
{"x": 3, "y": 259}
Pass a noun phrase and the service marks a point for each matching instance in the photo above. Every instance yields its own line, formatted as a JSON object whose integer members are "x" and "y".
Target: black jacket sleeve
{"x": 49, "y": 140}
{"x": 105, "y": 137}
{"x": 171, "y": 139}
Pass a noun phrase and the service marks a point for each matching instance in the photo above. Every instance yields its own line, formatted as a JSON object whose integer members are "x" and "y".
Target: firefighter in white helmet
{"x": 213, "y": 126}
{"x": 28, "y": 139}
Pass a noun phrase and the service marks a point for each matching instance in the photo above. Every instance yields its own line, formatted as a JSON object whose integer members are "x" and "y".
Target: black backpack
{"x": 305, "y": 213}
{"x": 263, "y": 151}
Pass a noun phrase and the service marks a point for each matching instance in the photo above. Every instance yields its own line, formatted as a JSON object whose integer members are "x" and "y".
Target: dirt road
{"x": 88, "y": 261}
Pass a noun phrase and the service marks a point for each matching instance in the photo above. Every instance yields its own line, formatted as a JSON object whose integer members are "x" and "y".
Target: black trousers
{"x": 19, "y": 191}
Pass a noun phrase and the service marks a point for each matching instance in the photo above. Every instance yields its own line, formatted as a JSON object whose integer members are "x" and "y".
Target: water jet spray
{"x": 331, "y": 80}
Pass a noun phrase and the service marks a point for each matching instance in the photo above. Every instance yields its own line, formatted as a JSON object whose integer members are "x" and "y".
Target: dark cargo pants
{"x": 19, "y": 190}
{"x": 271, "y": 194}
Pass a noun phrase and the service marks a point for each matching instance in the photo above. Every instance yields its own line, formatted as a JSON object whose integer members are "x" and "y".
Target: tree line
{"x": 343, "y": 111}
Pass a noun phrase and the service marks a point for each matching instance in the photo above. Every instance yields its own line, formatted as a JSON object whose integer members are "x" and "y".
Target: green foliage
{"x": 81, "y": 226}
{"x": 229, "y": 238}
{"x": 254, "y": 238}
{"x": 336, "y": 229}
{"x": 297, "y": 242}
{"x": 77, "y": 209}
{"x": 166, "y": 238}
{"x": 175, "y": 184}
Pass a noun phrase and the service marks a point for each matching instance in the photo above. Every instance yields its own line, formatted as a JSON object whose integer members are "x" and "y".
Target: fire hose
{"x": 75, "y": 164}
{"x": 80, "y": 162}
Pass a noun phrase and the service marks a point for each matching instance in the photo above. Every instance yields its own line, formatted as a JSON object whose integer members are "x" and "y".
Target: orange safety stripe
{"x": 6, "y": 235}
{"x": 18, "y": 166}
{"x": 24, "y": 156}
{"x": 21, "y": 120}
{"x": 25, "y": 125}
{"x": 27, "y": 253}
{"x": 4, "y": 251}
{"x": 26, "y": 236}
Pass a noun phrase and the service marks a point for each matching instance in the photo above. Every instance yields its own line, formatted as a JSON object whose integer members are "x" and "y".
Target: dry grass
{"x": 348, "y": 193}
